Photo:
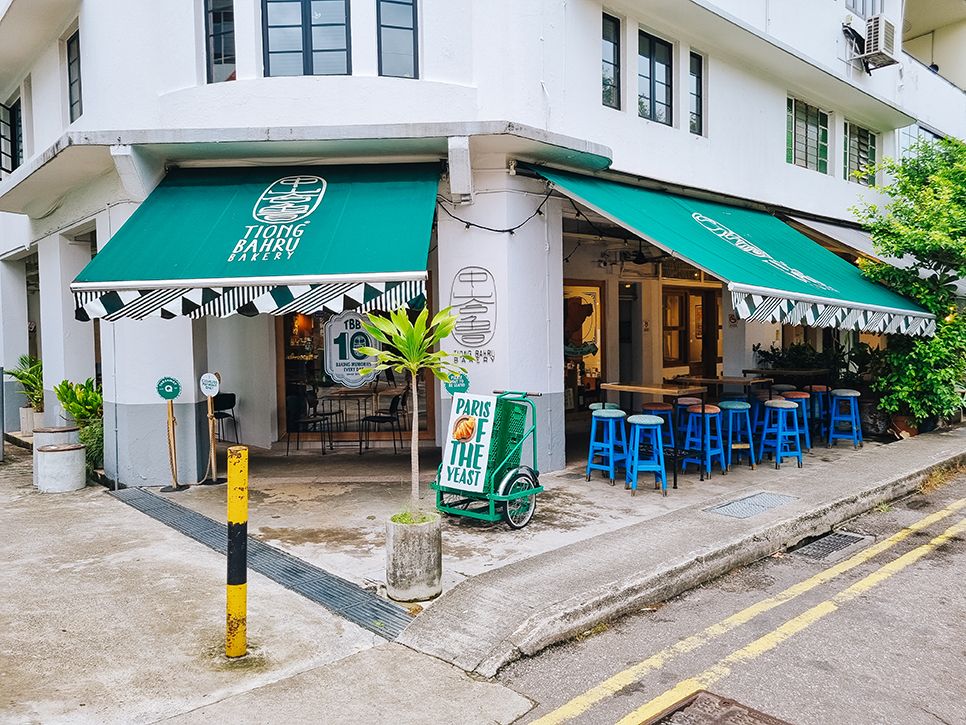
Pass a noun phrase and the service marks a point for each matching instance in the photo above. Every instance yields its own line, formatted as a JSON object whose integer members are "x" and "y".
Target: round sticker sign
{"x": 169, "y": 388}
{"x": 209, "y": 385}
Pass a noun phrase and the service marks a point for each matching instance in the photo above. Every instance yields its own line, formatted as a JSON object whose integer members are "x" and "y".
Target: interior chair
{"x": 224, "y": 407}
{"x": 390, "y": 418}
{"x": 297, "y": 421}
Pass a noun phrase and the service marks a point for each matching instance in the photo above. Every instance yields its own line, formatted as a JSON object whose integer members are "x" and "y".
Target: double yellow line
{"x": 614, "y": 684}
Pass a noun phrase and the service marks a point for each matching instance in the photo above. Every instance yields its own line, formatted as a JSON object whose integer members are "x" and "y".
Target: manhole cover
{"x": 824, "y": 546}
{"x": 751, "y": 505}
{"x": 706, "y": 708}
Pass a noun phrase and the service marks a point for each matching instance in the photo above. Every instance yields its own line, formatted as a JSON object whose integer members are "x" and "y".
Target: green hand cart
{"x": 509, "y": 489}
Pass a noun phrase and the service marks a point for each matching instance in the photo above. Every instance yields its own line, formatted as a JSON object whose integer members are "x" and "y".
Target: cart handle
{"x": 513, "y": 392}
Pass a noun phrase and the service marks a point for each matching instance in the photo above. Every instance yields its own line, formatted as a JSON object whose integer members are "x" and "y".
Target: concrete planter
{"x": 27, "y": 419}
{"x": 60, "y": 468}
{"x": 874, "y": 421}
{"x": 50, "y": 437}
{"x": 414, "y": 560}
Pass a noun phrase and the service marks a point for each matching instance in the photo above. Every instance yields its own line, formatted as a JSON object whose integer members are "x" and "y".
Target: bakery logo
{"x": 283, "y": 210}
{"x": 744, "y": 245}
{"x": 289, "y": 200}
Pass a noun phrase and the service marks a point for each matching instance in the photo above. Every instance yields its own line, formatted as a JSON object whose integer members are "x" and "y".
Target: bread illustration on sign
{"x": 464, "y": 428}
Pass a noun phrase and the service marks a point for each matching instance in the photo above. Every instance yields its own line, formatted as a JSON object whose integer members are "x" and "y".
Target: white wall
{"x": 242, "y": 351}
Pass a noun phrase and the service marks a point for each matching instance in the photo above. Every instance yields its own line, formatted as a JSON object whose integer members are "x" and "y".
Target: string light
{"x": 511, "y": 230}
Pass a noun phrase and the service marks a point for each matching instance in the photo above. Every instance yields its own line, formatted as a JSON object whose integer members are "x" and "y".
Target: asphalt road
{"x": 872, "y": 635}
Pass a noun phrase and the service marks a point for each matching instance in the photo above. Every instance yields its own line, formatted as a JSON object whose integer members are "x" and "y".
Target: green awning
{"x": 774, "y": 273}
{"x": 221, "y": 241}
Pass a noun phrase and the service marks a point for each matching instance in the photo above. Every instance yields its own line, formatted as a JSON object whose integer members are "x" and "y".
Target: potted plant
{"x": 30, "y": 374}
{"x": 414, "y": 565}
{"x": 84, "y": 403}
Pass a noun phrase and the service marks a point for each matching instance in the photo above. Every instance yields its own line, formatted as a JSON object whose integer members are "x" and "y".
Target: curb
{"x": 564, "y": 620}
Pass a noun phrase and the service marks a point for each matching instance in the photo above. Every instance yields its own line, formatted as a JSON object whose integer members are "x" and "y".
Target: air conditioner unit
{"x": 880, "y": 43}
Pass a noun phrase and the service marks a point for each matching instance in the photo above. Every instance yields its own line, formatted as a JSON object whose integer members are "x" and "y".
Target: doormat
{"x": 706, "y": 708}
{"x": 339, "y": 596}
{"x": 751, "y": 505}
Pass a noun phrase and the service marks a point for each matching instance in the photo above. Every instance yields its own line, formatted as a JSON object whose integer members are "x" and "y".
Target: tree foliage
{"x": 409, "y": 348}
{"x": 923, "y": 226}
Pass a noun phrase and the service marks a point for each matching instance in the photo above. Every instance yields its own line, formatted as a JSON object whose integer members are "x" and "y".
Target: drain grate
{"x": 385, "y": 618}
{"x": 707, "y": 708}
{"x": 751, "y": 505}
{"x": 829, "y": 544}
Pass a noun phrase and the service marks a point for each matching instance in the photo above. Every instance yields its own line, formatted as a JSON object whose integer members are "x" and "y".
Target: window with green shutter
{"x": 806, "y": 136}
{"x": 859, "y": 154}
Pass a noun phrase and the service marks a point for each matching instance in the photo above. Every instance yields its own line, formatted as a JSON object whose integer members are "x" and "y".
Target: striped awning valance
{"x": 767, "y": 308}
{"x": 168, "y": 303}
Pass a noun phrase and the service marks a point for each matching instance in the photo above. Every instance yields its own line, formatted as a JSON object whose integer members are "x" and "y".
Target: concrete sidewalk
{"x": 116, "y": 618}
{"x": 495, "y": 617}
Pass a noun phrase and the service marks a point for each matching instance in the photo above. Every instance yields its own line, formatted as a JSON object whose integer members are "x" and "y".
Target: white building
{"x": 750, "y": 103}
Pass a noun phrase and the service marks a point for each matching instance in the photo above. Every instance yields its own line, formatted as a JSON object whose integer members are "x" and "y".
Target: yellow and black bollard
{"x": 236, "y": 634}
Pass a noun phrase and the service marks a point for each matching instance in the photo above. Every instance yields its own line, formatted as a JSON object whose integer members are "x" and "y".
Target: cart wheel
{"x": 454, "y": 500}
{"x": 518, "y": 512}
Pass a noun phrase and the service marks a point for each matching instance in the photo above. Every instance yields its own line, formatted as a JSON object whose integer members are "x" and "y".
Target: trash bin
{"x": 60, "y": 467}
{"x": 52, "y": 436}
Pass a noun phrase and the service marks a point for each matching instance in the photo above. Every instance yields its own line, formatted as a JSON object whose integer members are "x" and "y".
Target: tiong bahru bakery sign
{"x": 282, "y": 212}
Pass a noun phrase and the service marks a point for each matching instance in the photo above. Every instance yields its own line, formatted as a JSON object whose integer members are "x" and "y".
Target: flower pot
{"x": 38, "y": 419}
{"x": 414, "y": 560}
{"x": 904, "y": 426}
{"x": 874, "y": 421}
{"x": 27, "y": 417}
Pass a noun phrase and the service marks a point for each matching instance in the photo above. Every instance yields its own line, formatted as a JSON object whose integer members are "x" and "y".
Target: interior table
{"x": 668, "y": 390}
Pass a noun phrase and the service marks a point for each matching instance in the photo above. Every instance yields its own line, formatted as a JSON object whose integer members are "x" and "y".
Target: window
{"x": 306, "y": 37}
{"x": 74, "y": 77}
{"x": 653, "y": 79}
{"x": 910, "y": 135}
{"x": 11, "y": 136}
{"x": 865, "y": 8}
{"x": 697, "y": 94}
{"x": 611, "y": 59}
{"x": 675, "y": 328}
{"x": 397, "y": 38}
{"x": 859, "y": 153}
{"x": 807, "y": 136}
{"x": 220, "y": 29}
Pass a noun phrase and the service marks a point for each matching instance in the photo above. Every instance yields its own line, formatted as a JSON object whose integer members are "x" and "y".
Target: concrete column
{"x": 136, "y": 354}
{"x": 68, "y": 345}
{"x": 516, "y": 328}
{"x": 740, "y": 336}
{"x": 13, "y": 336}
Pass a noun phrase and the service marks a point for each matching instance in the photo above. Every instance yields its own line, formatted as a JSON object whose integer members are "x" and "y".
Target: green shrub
{"x": 30, "y": 374}
{"x": 92, "y": 436}
{"x": 83, "y": 402}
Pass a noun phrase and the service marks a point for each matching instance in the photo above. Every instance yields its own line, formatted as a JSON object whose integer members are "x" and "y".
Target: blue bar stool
{"x": 708, "y": 427}
{"x": 758, "y": 410}
{"x": 819, "y": 411}
{"x": 683, "y": 405}
{"x": 802, "y": 399}
{"x": 665, "y": 411}
{"x": 604, "y": 406}
{"x": 845, "y": 410}
{"x": 737, "y": 425}
{"x": 645, "y": 433}
{"x": 612, "y": 445}
{"x": 781, "y": 432}
{"x": 782, "y": 388}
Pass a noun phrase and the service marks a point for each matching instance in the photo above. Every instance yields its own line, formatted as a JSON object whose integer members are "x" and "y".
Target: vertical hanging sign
{"x": 468, "y": 442}
{"x": 343, "y": 336}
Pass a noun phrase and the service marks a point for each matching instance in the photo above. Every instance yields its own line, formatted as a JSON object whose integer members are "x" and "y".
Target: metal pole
{"x": 236, "y": 624}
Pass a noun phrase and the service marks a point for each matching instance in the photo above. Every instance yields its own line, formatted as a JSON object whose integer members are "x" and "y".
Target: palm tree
{"x": 409, "y": 348}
